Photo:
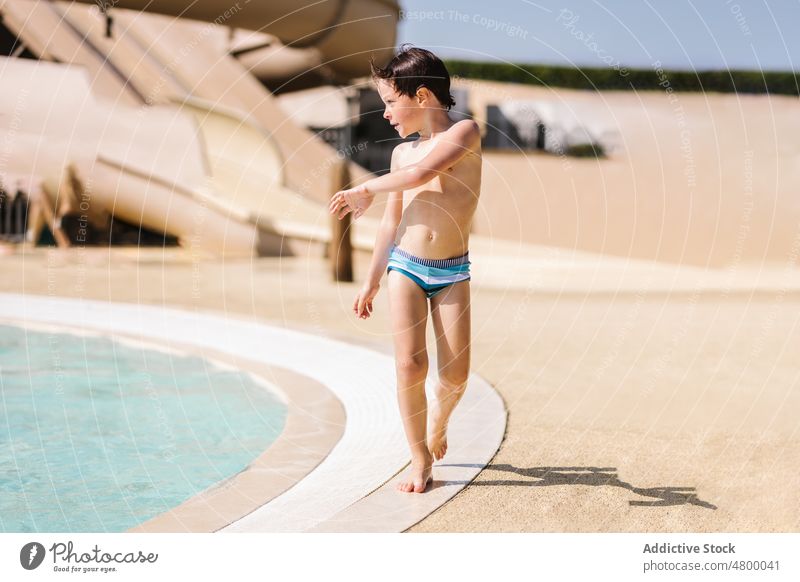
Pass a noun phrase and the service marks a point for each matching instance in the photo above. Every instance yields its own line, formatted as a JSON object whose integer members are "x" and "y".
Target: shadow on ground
{"x": 594, "y": 476}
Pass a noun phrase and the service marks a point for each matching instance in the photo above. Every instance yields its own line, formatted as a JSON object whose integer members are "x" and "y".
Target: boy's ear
{"x": 423, "y": 93}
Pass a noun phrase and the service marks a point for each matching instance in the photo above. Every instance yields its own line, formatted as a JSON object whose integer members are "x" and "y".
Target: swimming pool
{"x": 101, "y": 435}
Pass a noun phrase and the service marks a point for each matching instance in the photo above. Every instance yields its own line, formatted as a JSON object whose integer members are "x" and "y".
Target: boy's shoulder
{"x": 464, "y": 130}
{"x": 468, "y": 130}
{"x": 402, "y": 146}
{"x": 468, "y": 123}
{"x": 399, "y": 150}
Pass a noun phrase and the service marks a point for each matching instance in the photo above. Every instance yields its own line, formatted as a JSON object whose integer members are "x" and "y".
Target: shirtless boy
{"x": 423, "y": 241}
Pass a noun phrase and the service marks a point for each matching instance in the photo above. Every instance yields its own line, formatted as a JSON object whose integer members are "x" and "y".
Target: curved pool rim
{"x": 314, "y": 423}
{"x": 352, "y": 488}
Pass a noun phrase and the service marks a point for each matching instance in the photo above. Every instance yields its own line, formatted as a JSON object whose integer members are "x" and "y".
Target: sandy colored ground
{"x": 626, "y": 412}
{"x": 697, "y": 178}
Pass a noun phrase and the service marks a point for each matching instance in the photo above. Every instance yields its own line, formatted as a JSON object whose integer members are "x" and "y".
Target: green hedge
{"x": 783, "y": 83}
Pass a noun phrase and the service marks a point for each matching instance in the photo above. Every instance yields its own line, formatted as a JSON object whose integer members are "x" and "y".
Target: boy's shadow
{"x": 595, "y": 476}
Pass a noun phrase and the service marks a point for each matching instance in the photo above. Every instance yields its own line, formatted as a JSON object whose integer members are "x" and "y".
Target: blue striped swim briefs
{"x": 432, "y": 275}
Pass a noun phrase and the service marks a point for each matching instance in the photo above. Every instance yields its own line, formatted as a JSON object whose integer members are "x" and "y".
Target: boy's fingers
{"x": 336, "y": 203}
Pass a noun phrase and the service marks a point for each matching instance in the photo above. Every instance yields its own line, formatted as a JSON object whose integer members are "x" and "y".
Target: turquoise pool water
{"x": 98, "y": 436}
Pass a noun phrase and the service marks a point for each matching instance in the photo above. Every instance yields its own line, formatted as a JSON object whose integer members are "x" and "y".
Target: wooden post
{"x": 40, "y": 209}
{"x": 340, "y": 250}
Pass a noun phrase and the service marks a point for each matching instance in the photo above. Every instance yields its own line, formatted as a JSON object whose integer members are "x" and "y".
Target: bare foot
{"x": 418, "y": 478}
{"x": 437, "y": 429}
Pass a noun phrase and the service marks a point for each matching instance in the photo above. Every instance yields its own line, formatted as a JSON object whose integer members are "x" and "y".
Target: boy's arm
{"x": 387, "y": 231}
{"x": 454, "y": 144}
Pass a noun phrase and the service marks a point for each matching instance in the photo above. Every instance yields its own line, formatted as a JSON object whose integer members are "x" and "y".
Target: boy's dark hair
{"x": 413, "y": 67}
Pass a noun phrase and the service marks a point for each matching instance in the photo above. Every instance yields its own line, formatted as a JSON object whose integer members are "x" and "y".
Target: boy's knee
{"x": 412, "y": 366}
{"x": 454, "y": 381}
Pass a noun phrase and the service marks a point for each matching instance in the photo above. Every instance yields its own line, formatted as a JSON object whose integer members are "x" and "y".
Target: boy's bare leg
{"x": 450, "y": 311}
{"x": 409, "y": 315}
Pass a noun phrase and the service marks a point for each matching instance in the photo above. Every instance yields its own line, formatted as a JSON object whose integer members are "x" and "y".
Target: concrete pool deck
{"x": 641, "y": 397}
{"x": 343, "y": 441}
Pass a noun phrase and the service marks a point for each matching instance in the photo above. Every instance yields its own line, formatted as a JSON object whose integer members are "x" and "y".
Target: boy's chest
{"x": 415, "y": 152}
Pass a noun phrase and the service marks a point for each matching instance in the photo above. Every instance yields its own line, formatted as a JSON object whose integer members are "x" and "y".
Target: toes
{"x": 409, "y": 487}
{"x": 435, "y": 449}
{"x": 439, "y": 451}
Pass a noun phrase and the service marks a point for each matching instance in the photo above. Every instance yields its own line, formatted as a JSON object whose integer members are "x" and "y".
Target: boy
{"x": 433, "y": 189}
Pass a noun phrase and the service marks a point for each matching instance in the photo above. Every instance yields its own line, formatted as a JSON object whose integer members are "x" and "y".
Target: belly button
{"x": 430, "y": 236}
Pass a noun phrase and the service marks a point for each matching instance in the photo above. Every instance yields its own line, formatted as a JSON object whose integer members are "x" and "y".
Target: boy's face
{"x": 403, "y": 112}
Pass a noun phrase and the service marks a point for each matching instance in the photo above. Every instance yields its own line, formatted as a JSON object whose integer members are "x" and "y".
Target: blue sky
{"x": 681, "y": 34}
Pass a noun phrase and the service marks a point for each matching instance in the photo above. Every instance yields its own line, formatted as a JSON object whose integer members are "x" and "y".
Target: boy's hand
{"x": 362, "y": 306}
{"x": 355, "y": 200}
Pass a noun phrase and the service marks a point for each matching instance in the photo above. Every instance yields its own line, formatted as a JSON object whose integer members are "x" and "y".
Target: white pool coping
{"x": 372, "y": 449}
